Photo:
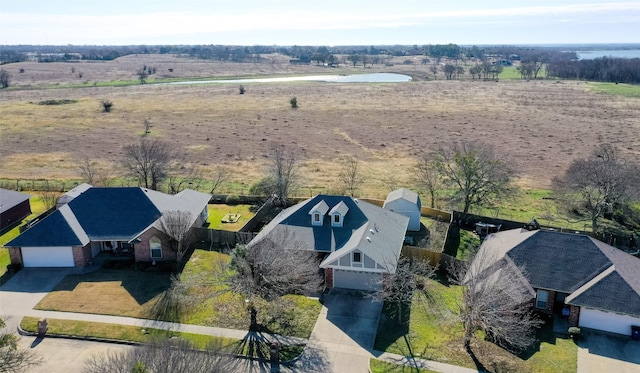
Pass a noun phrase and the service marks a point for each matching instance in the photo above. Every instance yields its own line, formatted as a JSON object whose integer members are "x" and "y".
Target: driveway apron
{"x": 603, "y": 352}
{"x": 25, "y": 289}
{"x": 343, "y": 335}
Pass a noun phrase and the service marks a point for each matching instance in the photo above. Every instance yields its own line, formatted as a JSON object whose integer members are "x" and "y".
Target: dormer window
{"x": 317, "y": 213}
{"x": 338, "y": 213}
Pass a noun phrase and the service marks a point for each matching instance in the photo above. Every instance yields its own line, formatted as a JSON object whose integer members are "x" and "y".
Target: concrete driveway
{"x": 25, "y": 289}
{"x": 343, "y": 335}
{"x": 602, "y": 352}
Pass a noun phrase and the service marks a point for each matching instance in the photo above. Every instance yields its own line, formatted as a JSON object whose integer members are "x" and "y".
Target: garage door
{"x": 355, "y": 279}
{"x": 610, "y": 322}
{"x": 47, "y": 256}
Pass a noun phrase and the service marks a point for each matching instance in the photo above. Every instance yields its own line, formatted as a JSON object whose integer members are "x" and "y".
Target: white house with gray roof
{"x": 357, "y": 241}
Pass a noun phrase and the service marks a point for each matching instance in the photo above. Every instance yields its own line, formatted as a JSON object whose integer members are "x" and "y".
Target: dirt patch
{"x": 541, "y": 126}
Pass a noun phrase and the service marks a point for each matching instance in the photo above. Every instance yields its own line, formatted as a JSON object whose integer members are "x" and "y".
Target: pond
{"x": 353, "y": 78}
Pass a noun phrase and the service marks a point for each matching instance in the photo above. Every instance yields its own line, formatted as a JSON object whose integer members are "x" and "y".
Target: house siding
{"x": 142, "y": 250}
{"x": 15, "y": 214}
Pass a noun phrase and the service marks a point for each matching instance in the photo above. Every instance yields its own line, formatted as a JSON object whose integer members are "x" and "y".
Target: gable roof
{"x": 360, "y": 220}
{"x": 405, "y": 194}
{"x": 9, "y": 199}
{"x": 54, "y": 230}
{"x": 100, "y": 214}
{"x": 593, "y": 273}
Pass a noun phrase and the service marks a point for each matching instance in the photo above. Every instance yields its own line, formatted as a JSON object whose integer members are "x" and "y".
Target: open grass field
{"x": 541, "y": 126}
{"x": 434, "y": 332}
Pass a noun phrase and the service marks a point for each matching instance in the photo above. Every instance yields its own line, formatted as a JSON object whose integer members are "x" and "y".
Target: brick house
{"x": 90, "y": 220}
{"x": 576, "y": 276}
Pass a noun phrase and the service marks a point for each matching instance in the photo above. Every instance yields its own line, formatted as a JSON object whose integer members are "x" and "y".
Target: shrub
{"x": 264, "y": 187}
{"x": 106, "y": 106}
{"x": 232, "y": 199}
{"x": 574, "y": 330}
{"x": 242, "y": 90}
{"x": 294, "y": 102}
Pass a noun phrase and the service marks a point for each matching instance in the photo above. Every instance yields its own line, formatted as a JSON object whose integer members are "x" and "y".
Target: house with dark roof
{"x": 14, "y": 206}
{"x": 357, "y": 242}
{"x": 116, "y": 220}
{"x": 405, "y": 202}
{"x": 593, "y": 284}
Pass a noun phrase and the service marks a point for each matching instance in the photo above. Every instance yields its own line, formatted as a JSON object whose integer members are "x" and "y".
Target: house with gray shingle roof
{"x": 14, "y": 206}
{"x": 117, "y": 220}
{"x": 594, "y": 284}
{"x": 358, "y": 242}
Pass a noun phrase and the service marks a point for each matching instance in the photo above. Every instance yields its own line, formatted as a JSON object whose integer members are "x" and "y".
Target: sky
{"x": 318, "y": 22}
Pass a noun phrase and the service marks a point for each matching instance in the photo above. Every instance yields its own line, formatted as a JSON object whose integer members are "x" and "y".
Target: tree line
{"x": 603, "y": 69}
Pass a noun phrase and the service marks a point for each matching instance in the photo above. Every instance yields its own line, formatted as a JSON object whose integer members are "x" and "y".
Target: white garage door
{"x": 610, "y": 322}
{"x": 47, "y": 256}
{"x": 355, "y": 279}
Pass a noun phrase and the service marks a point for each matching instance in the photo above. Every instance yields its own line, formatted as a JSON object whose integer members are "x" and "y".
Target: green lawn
{"x": 144, "y": 335}
{"x": 144, "y": 294}
{"x": 434, "y": 332}
{"x": 218, "y": 212}
{"x": 378, "y": 366}
{"x": 627, "y": 90}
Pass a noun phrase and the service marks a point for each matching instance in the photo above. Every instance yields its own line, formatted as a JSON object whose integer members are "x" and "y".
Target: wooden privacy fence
{"x": 218, "y": 237}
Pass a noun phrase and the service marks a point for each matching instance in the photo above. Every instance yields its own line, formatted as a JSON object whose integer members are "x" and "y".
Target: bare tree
{"x": 449, "y": 70}
{"x": 149, "y": 161}
{"x": 5, "y": 78}
{"x": 49, "y": 196}
{"x": 350, "y": 176}
{"x": 596, "y": 185}
{"x": 274, "y": 266}
{"x": 399, "y": 288}
{"x": 181, "y": 175}
{"x": 176, "y": 356}
{"x": 476, "y": 172}
{"x": 147, "y": 126}
{"x": 12, "y": 357}
{"x": 221, "y": 175}
{"x": 428, "y": 177}
{"x": 497, "y": 299}
{"x": 177, "y": 225}
{"x": 283, "y": 170}
{"x": 434, "y": 70}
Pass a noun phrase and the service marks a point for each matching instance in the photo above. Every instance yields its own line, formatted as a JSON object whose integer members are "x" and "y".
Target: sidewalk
{"x": 165, "y": 325}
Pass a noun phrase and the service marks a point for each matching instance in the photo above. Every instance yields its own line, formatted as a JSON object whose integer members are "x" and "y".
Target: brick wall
{"x": 81, "y": 255}
{"x": 574, "y": 316}
{"x": 15, "y": 255}
{"x": 328, "y": 278}
{"x": 142, "y": 250}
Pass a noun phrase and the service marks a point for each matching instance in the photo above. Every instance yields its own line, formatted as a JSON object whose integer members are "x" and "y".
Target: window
{"x": 156, "y": 248}
{"x": 357, "y": 257}
{"x": 542, "y": 298}
{"x": 336, "y": 218}
{"x": 316, "y": 217}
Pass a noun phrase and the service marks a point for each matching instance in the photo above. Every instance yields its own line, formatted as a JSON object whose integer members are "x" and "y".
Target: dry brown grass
{"x": 541, "y": 125}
